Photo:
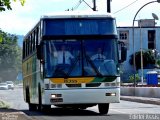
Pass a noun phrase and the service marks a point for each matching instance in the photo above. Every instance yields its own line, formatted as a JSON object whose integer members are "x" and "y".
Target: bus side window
{"x": 34, "y": 41}
{"x": 24, "y": 47}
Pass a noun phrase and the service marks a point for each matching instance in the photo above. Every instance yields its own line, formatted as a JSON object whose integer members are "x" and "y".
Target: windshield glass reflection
{"x": 100, "y": 57}
{"x": 62, "y": 58}
{"x": 73, "y": 58}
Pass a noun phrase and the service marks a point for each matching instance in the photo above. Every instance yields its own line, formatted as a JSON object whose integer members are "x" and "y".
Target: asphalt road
{"x": 14, "y": 98}
{"x": 124, "y": 110}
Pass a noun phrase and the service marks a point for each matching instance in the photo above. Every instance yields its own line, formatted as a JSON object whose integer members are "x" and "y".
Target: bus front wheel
{"x": 103, "y": 108}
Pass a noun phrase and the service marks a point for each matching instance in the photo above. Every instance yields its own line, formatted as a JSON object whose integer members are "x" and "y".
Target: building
{"x": 147, "y": 34}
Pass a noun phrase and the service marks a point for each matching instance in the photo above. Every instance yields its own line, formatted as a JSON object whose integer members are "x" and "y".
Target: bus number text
{"x": 70, "y": 81}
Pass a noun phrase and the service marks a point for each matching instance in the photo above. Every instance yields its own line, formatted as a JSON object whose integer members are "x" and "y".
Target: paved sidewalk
{"x": 11, "y": 114}
{"x": 146, "y": 100}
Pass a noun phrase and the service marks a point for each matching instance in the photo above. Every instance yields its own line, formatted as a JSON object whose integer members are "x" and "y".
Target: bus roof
{"x": 73, "y": 14}
{"x": 77, "y": 14}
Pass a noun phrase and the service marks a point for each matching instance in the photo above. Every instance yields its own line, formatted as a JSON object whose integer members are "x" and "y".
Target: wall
{"x": 141, "y": 91}
{"x": 126, "y": 67}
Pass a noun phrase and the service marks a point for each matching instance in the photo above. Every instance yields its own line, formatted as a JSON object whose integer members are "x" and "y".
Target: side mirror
{"x": 39, "y": 53}
{"x": 123, "y": 53}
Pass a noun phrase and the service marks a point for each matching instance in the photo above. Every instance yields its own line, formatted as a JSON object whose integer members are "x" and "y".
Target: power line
{"x": 78, "y": 4}
{"x": 125, "y": 7}
{"x": 87, "y": 4}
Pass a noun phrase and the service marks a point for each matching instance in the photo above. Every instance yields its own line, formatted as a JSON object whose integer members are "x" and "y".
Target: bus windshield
{"x": 76, "y": 58}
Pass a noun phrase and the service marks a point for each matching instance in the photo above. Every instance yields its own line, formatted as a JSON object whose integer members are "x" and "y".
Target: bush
{"x": 131, "y": 78}
{"x": 4, "y": 104}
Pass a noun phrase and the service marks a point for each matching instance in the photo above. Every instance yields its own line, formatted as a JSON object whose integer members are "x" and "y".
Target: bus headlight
{"x": 46, "y": 86}
{"x": 56, "y": 95}
{"x": 56, "y": 98}
{"x": 53, "y": 96}
{"x": 110, "y": 94}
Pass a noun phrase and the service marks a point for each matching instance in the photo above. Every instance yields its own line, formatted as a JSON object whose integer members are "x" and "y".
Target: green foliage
{"x": 131, "y": 78}
{"x": 22, "y": 1}
{"x": 0, "y": 38}
{"x": 7, "y": 4}
{"x": 10, "y": 56}
{"x": 158, "y": 62}
{"x": 4, "y": 104}
{"x": 148, "y": 59}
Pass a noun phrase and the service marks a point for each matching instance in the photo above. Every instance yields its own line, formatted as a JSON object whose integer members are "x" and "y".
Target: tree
{"x": 10, "y": 57}
{"x": 149, "y": 59}
{"x": 7, "y": 4}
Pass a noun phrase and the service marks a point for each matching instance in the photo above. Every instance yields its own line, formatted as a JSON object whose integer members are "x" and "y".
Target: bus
{"x": 80, "y": 78}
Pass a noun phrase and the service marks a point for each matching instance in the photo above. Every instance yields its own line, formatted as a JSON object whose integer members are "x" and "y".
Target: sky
{"x": 23, "y": 18}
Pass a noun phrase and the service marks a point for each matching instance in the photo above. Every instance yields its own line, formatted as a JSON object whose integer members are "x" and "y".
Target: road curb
{"x": 155, "y": 101}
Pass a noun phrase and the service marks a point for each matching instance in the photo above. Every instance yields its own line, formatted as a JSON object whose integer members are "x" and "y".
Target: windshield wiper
{"x": 59, "y": 71}
{"x": 73, "y": 66}
{"x": 92, "y": 64}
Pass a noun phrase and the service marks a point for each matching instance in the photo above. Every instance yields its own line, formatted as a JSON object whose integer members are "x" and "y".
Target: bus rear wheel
{"x": 39, "y": 98}
{"x": 32, "y": 107}
{"x": 103, "y": 108}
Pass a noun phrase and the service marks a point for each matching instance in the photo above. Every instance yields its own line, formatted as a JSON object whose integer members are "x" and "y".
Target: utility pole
{"x": 94, "y": 5}
{"x": 108, "y": 6}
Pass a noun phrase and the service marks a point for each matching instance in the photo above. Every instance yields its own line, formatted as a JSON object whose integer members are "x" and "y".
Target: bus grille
{"x": 93, "y": 84}
{"x": 85, "y": 85}
{"x": 73, "y": 85}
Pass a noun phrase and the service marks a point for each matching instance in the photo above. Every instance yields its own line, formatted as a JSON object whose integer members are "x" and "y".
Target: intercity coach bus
{"x": 81, "y": 77}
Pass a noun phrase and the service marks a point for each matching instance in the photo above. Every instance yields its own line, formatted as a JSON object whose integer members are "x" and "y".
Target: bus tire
{"x": 32, "y": 107}
{"x": 46, "y": 107}
{"x": 27, "y": 95}
{"x": 83, "y": 108}
{"x": 39, "y": 98}
{"x": 103, "y": 108}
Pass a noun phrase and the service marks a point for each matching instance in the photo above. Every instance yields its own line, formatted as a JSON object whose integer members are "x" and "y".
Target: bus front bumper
{"x": 81, "y": 96}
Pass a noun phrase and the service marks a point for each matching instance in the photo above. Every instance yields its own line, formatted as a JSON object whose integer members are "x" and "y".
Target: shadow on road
{"x": 8, "y": 110}
{"x": 62, "y": 112}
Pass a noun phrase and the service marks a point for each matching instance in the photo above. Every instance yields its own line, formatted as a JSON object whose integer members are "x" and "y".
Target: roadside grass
{"x": 4, "y": 104}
